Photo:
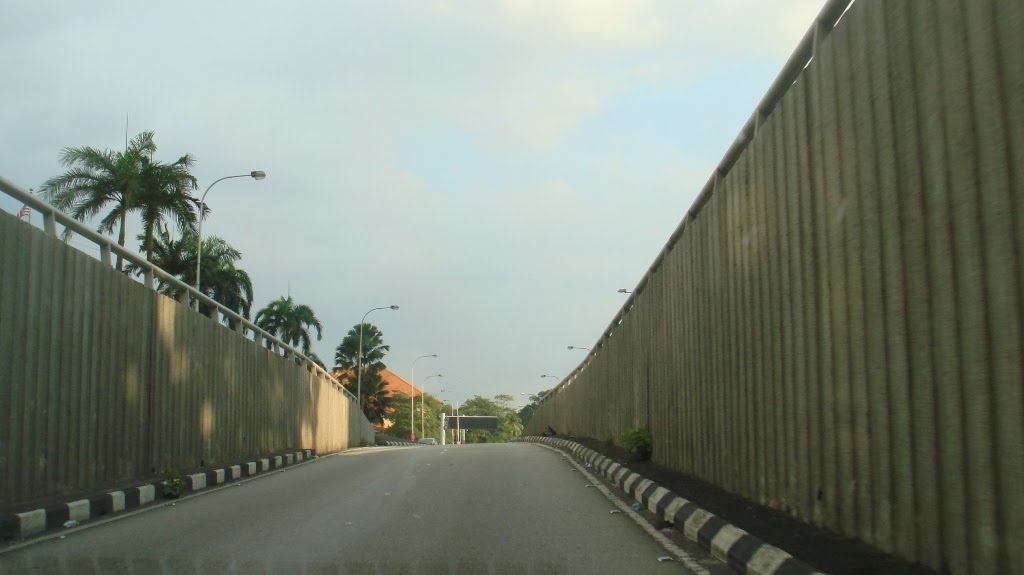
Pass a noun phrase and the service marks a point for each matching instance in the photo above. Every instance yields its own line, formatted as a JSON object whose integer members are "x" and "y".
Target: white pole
{"x": 359, "y": 365}
{"x": 423, "y": 409}
{"x": 443, "y": 433}
{"x": 412, "y": 404}
{"x": 412, "y": 397}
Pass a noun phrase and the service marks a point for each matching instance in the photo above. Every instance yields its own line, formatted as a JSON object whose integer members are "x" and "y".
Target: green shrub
{"x": 637, "y": 442}
{"x": 174, "y": 485}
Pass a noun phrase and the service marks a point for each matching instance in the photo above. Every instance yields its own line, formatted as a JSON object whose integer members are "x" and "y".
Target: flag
{"x": 24, "y": 213}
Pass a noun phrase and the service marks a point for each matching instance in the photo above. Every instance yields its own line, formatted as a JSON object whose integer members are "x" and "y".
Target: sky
{"x": 497, "y": 168}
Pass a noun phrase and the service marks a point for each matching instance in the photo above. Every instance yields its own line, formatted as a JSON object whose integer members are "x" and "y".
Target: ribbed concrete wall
{"x": 836, "y": 329}
{"x": 103, "y": 381}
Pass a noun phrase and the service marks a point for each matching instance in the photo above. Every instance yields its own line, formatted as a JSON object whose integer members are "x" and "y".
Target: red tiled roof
{"x": 393, "y": 382}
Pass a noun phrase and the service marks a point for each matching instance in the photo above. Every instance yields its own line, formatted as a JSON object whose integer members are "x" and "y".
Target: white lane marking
{"x": 676, "y": 551}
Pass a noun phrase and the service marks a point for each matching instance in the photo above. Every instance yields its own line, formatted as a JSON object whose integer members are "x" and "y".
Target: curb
{"x": 743, "y": 552}
{"x": 51, "y": 517}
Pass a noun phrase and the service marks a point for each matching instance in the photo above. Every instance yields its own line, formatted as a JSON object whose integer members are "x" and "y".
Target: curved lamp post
{"x": 412, "y": 395}
{"x": 423, "y": 409}
{"x": 577, "y": 347}
{"x": 256, "y": 175}
{"x": 359, "y": 358}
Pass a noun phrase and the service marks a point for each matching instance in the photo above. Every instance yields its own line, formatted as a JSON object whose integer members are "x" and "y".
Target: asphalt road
{"x": 474, "y": 509}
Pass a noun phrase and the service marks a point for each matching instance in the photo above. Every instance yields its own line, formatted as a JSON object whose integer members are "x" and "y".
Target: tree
{"x": 374, "y": 350}
{"x": 223, "y": 280}
{"x": 290, "y": 322}
{"x": 175, "y": 256}
{"x": 509, "y": 424}
{"x": 130, "y": 181}
{"x": 375, "y": 398}
{"x": 399, "y": 416}
{"x": 315, "y": 359}
{"x": 504, "y": 399}
{"x": 526, "y": 413}
{"x": 164, "y": 194}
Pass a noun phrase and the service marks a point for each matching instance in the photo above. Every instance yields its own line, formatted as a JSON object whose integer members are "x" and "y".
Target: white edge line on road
{"x": 676, "y": 551}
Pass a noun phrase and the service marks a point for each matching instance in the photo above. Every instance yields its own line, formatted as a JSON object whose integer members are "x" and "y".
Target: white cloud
{"x": 501, "y": 257}
{"x": 594, "y": 22}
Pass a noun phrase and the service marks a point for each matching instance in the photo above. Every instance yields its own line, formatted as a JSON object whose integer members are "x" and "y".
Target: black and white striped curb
{"x": 25, "y": 524}
{"x": 741, "y": 550}
{"x": 399, "y": 443}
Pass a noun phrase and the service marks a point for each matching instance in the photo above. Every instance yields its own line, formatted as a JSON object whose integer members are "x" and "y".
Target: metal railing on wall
{"x": 53, "y": 217}
{"x": 824, "y": 23}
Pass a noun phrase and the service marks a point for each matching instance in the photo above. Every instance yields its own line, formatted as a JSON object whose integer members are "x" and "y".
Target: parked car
{"x": 428, "y": 441}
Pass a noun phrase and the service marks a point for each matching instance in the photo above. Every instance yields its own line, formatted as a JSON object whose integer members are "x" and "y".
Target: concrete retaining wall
{"x": 835, "y": 330}
{"x": 103, "y": 381}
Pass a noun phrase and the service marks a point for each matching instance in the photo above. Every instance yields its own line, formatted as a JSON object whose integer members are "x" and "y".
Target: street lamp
{"x": 256, "y": 175}
{"x": 577, "y": 347}
{"x": 624, "y": 290}
{"x": 423, "y": 409}
{"x": 412, "y": 396}
{"x": 554, "y": 376}
{"x": 359, "y": 358}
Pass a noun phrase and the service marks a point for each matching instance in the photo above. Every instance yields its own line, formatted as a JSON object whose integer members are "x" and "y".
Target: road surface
{"x": 501, "y": 508}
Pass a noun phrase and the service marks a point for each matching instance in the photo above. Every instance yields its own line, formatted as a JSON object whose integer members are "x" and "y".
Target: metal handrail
{"x": 823, "y": 24}
{"x": 52, "y": 216}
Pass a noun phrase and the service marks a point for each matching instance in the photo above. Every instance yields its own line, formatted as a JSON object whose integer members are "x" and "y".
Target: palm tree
{"x": 174, "y": 256}
{"x": 376, "y": 399}
{"x": 290, "y": 322}
{"x": 223, "y": 280}
{"x": 129, "y": 180}
{"x": 165, "y": 195}
{"x": 315, "y": 359}
{"x": 347, "y": 352}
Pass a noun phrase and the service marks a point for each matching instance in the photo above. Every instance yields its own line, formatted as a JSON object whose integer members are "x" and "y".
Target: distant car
{"x": 428, "y": 441}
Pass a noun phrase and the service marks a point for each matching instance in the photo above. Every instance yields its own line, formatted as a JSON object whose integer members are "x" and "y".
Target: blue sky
{"x": 496, "y": 168}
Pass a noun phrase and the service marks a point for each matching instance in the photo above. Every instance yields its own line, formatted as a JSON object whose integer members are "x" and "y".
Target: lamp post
{"x": 624, "y": 290}
{"x": 359, "y": 358}
{"x": 577, "y": 347}
{"x": 256, "y": 175}
{"x": 412, "y": 397}
{"x": 554, "y": 376}
{"x": 423, "y": 409}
